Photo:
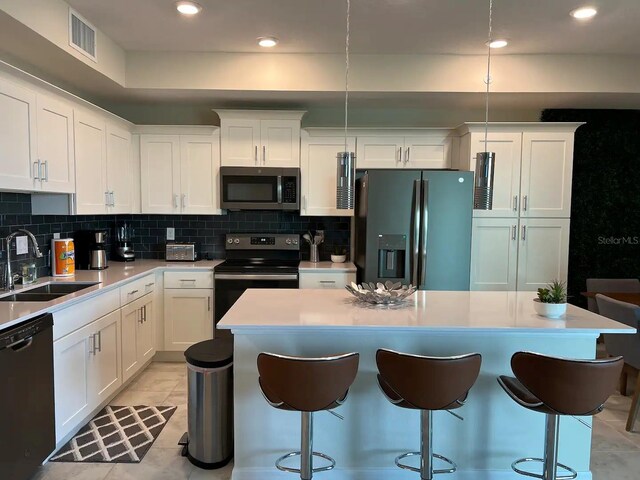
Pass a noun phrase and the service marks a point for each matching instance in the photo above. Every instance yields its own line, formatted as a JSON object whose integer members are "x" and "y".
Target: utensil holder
{"x": 314, "y": 255}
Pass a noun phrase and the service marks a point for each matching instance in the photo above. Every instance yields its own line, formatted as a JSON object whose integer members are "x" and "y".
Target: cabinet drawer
{"x": 77, "y": 316}
{"x": 136, "y": 289}
{"x": 188, "y": 280}
{"x": 326, "y": 280}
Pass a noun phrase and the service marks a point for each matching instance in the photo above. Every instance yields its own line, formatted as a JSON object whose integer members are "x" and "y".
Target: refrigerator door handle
{"x": 425, "y": 231}
{"x": 415, "y": 232}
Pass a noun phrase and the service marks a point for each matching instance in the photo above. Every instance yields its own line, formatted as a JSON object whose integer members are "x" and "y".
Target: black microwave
{"x": 259, "y": 188}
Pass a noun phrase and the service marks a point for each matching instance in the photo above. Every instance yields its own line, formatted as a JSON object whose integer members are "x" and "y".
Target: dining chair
{"x": 626, "y": 345}
{"x": 604, "y": 285}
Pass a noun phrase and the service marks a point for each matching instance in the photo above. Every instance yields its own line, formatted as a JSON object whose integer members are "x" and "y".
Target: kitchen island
{"x": 495, "y": 431}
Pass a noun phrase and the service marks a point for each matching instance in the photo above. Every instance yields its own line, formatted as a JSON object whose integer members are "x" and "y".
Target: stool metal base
{"x": 297, "y": 470}
{"x": 453, "y": 468}
{"x": 572, "y": 473}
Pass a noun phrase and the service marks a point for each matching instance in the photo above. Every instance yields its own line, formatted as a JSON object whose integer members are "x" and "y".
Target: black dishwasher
{"x": 27, "y": 417}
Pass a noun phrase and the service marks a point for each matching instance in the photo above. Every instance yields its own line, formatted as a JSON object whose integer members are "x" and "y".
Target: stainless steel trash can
{"x": 209, "y": 442}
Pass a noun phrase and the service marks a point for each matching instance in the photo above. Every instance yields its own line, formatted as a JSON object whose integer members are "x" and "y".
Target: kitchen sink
{"x": 32, "y": 297}
{"x": 60, "y": 288}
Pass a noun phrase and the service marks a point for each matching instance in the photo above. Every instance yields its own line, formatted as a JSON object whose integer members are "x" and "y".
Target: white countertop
{"x": 327, "y": 267}
{"x": 118, "y": 273}
{"x": 266, "y": 310}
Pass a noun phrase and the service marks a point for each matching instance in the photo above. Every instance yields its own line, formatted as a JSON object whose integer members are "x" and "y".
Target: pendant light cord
{"x": 346, "y": 79}
{"x": 488, "y": 79}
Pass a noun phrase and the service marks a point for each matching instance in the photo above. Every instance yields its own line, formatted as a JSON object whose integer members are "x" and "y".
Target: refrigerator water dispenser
{"x": 391, "y": 256}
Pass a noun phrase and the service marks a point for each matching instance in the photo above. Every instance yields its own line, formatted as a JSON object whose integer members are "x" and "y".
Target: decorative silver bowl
{"x": 387, "y": 293}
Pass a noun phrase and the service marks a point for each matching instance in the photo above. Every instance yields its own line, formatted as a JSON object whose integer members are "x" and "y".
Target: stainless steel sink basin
{"x": 61, "y": 288}
{"x": 32, "y": 297}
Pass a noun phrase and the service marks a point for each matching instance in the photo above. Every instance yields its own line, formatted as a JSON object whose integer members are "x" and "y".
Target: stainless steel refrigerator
{"x": 414, "y": 226}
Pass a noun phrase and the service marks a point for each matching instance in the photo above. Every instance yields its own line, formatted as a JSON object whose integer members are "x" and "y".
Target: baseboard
{"x": 390, "y": 473}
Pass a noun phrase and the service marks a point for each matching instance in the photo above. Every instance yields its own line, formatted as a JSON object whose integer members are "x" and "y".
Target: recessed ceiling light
{"x": 188, "y": 8}
{"x": 583, "y": 13}
{"x": 498, "y": 43}
{"x": 267, "y": 42}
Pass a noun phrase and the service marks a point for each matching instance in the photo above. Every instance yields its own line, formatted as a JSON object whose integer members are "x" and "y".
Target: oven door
{"x": 230, "y": 286}
{"x": 257, "y": 188}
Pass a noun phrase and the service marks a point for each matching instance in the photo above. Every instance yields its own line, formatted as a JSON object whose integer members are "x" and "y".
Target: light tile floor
{"x": 615, "y": 452}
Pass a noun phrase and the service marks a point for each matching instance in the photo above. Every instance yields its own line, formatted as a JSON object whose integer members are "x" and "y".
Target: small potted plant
{"x": 339, "y": 255}
{"x": 551, "y": 301}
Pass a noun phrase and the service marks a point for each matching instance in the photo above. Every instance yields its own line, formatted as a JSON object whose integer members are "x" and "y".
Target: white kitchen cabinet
{"x": 318, "y": 172}
{"x": 326, "y": 279}
{"x": 379, "y": 152}
{"x": 138, "y": 335}
{"x": 543, "y": 252}
{"x": 251, "y": 138}
{"x": 56, "y": 154}
{"x": 86, "y": 370}
{"x": 188, "y": 311}
{"x": 494, "y": 254}
{"x": 180, "y": 173}
{"x": 18, "y": 162}
{"x": 404, "y": 151}
{"x": 547, "y": 166}
{"x": 118, "y": 168}
{"x": 91, "y": 164}
{"x": 427, "y": 152}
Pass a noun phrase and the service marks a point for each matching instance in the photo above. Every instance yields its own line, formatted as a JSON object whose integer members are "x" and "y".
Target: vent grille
{"x": 82, "y": 35}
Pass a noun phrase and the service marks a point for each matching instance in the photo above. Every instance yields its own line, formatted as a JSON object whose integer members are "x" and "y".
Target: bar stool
{"x": 558, "y": 386}
{"x": 426, "y": 384}
{"x": 306, "y": 385}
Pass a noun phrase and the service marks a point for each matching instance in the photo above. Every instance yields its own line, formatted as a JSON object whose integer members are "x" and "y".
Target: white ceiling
{"x": 378, "y": 26}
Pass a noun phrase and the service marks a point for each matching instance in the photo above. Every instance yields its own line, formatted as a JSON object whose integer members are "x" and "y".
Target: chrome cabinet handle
{"x": 264, "y": 154}
{"x": 524, "y": 233}
{"x": 515, "y": 203}
{"x": 408, "y": 156}
{"x": 106, "y": 199}
{"x": 524, "y": 202}
{"x": 99, "y": 334}
{"x": 399, "y": 159}
{"x": 46, "y": 171}
{"x": 208, "y": 304}
{"x": 256, "y": 155}
{"x": 92, "y": 344}
{"x": 113, "y": 198}
{"x": 184, "y": 200}
{"x": 175, "y": 200}
{"x": 144, "y": 314}
{"x": 187, "y": 280}
{"x": 132, "y": 292}
{"x": 140, "y": 320}
{"x": 327, "y": 281}
{"x": 36, "y": 170}
{"x": 304, "y": 202}
{"x": 513, "y": 232}
{"x": 149, "y": 284}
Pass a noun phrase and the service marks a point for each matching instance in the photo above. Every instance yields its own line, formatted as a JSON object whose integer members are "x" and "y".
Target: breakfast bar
{"x": 319, "y": 323}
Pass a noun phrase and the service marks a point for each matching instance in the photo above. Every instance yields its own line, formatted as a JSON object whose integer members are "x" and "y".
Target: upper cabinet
{"x": 404, "y": 149}
{"x": 318, "y": 172}
{"x": 180, "y": 173}
{"x": 532, "y": 176}
{"x": 251, "y": 138}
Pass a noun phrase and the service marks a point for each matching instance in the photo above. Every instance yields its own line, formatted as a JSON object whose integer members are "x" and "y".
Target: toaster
{"x": 182, "y": 252}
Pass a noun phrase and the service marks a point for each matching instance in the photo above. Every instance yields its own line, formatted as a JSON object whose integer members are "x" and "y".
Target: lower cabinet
{"x": 326, "y": 279}
{"x": 138, "y": 335}
{"x": 87, "y": 370}
{"x": 188, "y": 317}
{"x": 518, "y": 254}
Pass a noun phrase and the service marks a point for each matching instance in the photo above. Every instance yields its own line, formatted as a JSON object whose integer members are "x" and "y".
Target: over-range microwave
{"x": 259, "y": 188}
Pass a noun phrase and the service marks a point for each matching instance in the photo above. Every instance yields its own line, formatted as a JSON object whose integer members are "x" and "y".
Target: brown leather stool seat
{"x": 427, "y": 384}
{"x": 558, "y": 386}
{"x": 306, "y": 385}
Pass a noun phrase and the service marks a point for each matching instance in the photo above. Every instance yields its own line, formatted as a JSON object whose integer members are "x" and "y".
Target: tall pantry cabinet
{"x": 523, "y": 242}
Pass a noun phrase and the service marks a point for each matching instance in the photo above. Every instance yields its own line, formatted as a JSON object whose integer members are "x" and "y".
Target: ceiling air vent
{"x": 82, "y": 35}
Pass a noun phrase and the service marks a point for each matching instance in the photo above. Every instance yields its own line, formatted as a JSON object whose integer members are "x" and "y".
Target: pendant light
{"x": 346, "y": 175}
{"x": 485, "y": 161}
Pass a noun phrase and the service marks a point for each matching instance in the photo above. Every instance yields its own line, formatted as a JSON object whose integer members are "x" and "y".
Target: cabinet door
{"x": 147, "y": 331}
{"x": 55, "y": 146}
{"x": 240, "y": 142}
{"x": 318, "y": 175}
{"x": 427, "y": 152}
{"x": 72, "y": 379}
{"x": 280, "y": 141}
{"x": 494, "y": 254}
{"x": 160, "y": 173}
{"x": 118, "y": 168}
{"x": 547, "y": 165}
{"x": 91, "y": 164}
{"x": 104, "y": 364}
{"x": 506, "y": 183}
{"x": 199, "y": 167}
{"x": 188, "y": 317}
{"x": 131, "y": 319}
{"x": 17, "y": 138}
{"x": 543, "y": 254}
{"x": 379, "y": 152}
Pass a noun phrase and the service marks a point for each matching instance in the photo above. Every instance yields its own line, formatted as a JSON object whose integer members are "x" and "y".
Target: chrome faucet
{"x": 34, "y": 247}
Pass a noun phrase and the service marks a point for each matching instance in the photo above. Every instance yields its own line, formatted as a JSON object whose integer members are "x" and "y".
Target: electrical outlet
{"x": 171, "y": 233}
{"x": 22, "y": 245}
{"x": 56, "y": 235}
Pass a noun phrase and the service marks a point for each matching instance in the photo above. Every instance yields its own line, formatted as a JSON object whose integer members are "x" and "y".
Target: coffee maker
{"x": 123, "y": 248}
{"x": 91, "y": 249}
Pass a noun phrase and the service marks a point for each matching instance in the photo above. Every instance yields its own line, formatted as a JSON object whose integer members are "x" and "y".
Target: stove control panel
{"x": 252, "y": 241}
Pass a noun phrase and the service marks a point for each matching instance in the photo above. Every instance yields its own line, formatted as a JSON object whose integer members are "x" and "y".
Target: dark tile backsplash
{"x": 150, "y": 230}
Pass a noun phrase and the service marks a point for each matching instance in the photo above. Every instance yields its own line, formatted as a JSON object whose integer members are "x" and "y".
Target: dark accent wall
{"x": 605, "y": 206}
{"x": 208, "y": 230}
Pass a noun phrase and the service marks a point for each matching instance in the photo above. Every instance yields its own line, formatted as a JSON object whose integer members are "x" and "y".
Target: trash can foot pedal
{"x": 184, "y": 442}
